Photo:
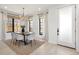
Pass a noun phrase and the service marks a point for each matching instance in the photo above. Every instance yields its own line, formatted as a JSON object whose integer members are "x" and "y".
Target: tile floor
{"x": 5, "y": 50}
{"x": 52, "y": 49}
{"x": 45, "y": 49}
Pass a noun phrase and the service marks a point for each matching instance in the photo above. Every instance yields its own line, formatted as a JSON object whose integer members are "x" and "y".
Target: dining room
{"x": 21, "y": 30}
{"x": 35, "y": 29}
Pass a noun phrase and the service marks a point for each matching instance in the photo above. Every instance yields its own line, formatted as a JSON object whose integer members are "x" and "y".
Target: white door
{"x": 67, "y": 26}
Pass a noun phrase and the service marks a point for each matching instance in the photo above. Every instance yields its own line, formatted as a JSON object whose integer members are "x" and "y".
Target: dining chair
{"x": 19, "y": 39}
{"x": 13, "y": 40}
{"x": 31, "y": 37}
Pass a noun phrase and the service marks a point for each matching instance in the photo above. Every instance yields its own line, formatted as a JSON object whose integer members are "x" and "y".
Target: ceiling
{"x": 29, "y": 9}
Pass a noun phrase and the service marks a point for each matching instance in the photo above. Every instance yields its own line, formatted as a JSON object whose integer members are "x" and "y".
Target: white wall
{"x": 36, "y": 25}
{"x": 52, "y": 25}
{"x": 0, "y": 25}
{"x": 77, "y": 27}
{"x": 5, "y": 21}
{"x": 46, "y": 27}
{"x": 3, "y": 25}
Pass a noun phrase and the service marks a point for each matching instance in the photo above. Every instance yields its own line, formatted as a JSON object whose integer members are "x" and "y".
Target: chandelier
{"x": 23, "y": 17}
{"x": 22, "y": 22}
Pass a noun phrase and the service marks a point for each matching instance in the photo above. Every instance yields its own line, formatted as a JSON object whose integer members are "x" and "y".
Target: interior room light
{"x": 39, "y": 9}
{"x": 19, "y": 10}
{"x": 5, "y": 7}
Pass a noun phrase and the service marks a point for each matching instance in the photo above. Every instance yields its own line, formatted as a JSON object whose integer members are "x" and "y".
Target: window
{"x": 9, "y": 24}
{"x": 30, "y": 25}
{"x": 41, "y": 25}
{"x": 17, "y": 25}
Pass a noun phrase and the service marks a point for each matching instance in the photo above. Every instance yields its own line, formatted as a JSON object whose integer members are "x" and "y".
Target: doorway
{"x": 66, "y": 28}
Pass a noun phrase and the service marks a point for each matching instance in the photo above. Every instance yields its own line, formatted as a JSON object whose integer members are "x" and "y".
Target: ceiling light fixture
{"x": 19, "y": 10}
{"x": 14, "y": 11}
{"x": 23, "y": 17}
{"x": 39, "y": 9}
{"x": 5, "y": 7}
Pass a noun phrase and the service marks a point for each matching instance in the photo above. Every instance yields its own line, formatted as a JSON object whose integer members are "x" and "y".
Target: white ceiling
{"x": 30, "y": 9}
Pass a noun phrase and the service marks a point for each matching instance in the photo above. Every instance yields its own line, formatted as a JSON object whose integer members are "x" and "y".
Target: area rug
{"x": 24, "y": 49}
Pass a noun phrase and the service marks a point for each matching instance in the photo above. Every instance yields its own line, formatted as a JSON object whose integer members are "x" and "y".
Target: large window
{"x": 13, "y": 24}
{"x": 42, "y": 25}
{"x": 17, "y": 25}
{"x": 9, "y": 24}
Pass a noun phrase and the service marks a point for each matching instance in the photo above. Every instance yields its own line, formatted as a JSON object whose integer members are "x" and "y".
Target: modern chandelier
{"x": 23, "y": 14}
{"x": 22, "y": 22}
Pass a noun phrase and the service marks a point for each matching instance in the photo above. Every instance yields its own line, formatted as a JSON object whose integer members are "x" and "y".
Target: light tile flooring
{"x": 45, "y": 49}
{"x": 51, "y": 49}
{"x": 5, "y": 50}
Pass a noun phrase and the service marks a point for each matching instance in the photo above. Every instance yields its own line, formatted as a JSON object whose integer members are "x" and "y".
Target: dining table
{"x": 24, "y": 34}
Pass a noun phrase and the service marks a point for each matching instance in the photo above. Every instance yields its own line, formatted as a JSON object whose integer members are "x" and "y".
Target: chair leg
{"x": 18, "y": 43}
{"x": 35, "y": 41}
{"x": 15, "y": 42}
{"x": 11, "y": 42}
{"x": 31, "y": 43}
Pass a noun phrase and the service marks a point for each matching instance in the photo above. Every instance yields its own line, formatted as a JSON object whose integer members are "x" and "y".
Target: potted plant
{"x": 23, "y": 28}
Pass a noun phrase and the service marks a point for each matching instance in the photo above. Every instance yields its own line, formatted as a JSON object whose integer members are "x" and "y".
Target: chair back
{"x": 13, "y": 35}
{"x": 19, "y": 37}
{"x": 31, "y": 36}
